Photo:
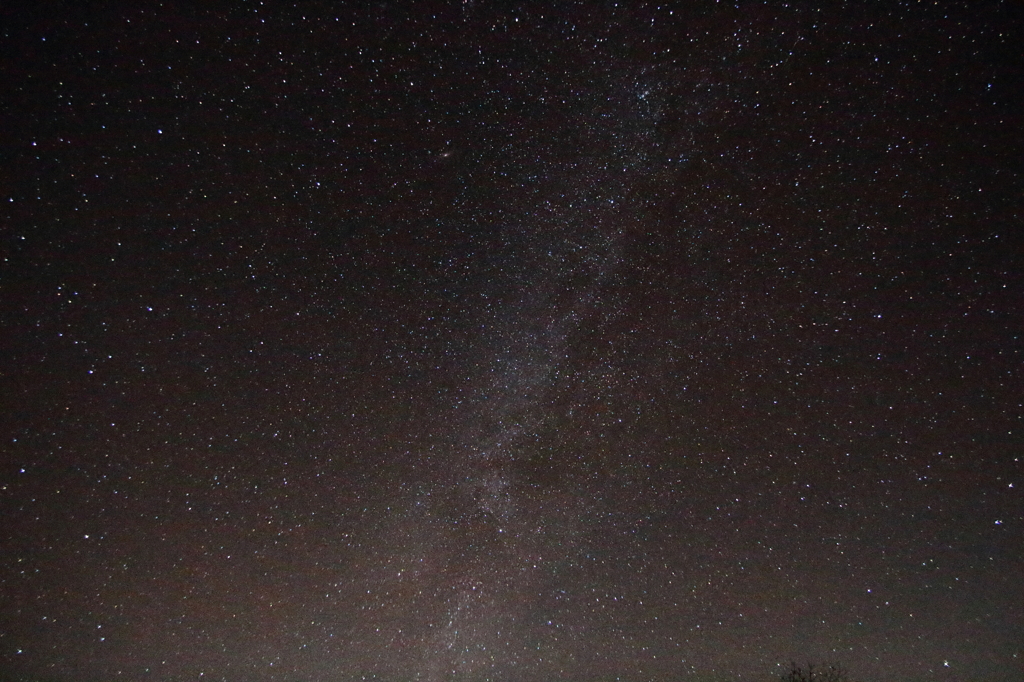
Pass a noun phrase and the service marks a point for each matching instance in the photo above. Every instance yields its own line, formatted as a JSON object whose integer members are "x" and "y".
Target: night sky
{"x": 517, "y": 342}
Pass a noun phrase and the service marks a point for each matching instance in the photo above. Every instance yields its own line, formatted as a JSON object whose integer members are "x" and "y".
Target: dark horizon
{"x": 476, "y": 341}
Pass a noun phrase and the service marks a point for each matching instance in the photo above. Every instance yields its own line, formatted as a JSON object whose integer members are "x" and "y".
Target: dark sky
{"x": 478, "y": 341}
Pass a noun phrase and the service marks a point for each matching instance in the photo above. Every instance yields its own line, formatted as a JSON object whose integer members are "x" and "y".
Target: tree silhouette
{"x": 832, "y": 673}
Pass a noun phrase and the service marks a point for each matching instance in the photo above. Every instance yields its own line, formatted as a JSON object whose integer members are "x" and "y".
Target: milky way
{"x": 597, "y": 341}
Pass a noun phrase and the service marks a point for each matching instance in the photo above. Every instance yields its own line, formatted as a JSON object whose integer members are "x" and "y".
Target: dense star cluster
{"x": 513, "y": 342}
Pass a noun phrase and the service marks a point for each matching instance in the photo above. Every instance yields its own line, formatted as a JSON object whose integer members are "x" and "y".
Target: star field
{"x": 531, "y": 341}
